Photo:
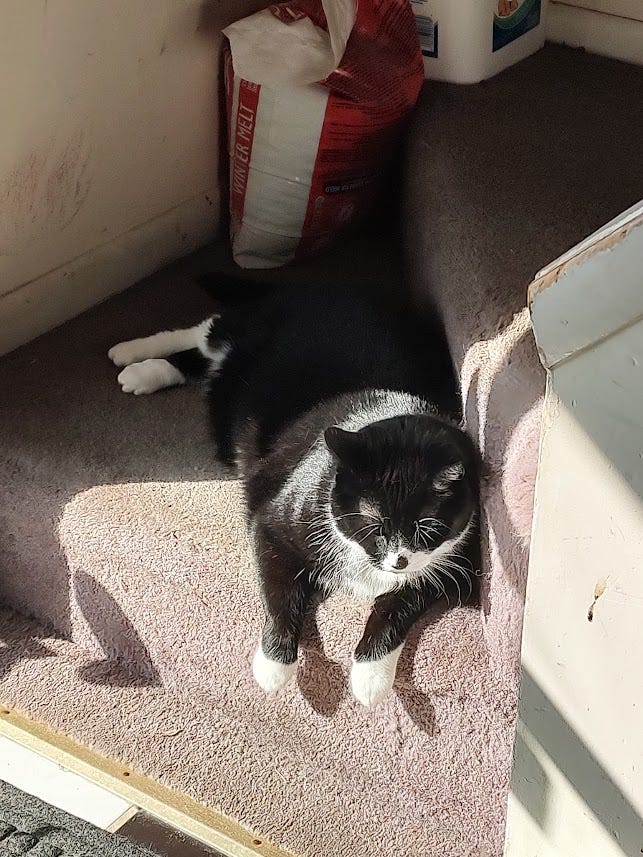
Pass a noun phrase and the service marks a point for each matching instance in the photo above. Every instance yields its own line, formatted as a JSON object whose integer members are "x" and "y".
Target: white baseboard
{"x": 42, "y": 304}
{"x": 597, "y": 32}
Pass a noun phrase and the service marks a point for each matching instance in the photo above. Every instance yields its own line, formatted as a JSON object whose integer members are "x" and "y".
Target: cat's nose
{"x": 400, "y": 563}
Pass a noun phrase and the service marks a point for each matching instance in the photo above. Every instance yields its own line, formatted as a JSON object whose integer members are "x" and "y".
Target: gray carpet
{"x": 29, "y": 826}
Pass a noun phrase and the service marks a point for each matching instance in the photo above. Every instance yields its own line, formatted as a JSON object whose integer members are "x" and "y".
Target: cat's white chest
{"x": 370, "y": 585}
{"x": 354, "y": 574}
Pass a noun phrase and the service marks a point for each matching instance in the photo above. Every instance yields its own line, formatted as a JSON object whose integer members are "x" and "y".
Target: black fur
{"x": 300, "y": 363}
{"x": 192, "y": 363}
{"x": 299, "y": 347}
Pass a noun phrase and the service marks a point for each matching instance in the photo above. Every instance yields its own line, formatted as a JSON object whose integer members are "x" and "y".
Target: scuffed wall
{"x": 109, "y": 148}
{"x": 613, "y": 28}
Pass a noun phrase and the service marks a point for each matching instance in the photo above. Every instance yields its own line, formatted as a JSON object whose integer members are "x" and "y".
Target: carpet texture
{"x": 33, "y": 828}
{"x": 147, "y": 542}
{"x": 501, "y": 178}
{"x": 121, "y": 533}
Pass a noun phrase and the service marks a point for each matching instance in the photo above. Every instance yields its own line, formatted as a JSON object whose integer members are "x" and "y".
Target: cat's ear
{"x": 343, "y": 444}
{"x": 448, "y": 476}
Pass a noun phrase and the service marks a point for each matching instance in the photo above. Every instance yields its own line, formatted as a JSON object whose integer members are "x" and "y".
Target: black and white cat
{"x": 339, "y": 410}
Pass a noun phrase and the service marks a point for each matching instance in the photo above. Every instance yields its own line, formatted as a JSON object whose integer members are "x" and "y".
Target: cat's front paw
{"x": 371, "y": 681}
{"x": 271, "y": 675}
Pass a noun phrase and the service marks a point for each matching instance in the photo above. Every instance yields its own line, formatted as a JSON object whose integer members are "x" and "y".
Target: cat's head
{"x": 406, "y": 489}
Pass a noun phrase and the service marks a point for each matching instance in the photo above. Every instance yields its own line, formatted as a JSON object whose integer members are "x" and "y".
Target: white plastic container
{"x": 466, "y": 41}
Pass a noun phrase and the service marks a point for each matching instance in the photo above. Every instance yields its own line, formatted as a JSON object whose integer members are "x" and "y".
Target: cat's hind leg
{"x": 162, "y": 344}
{"x": 167, "y": 359}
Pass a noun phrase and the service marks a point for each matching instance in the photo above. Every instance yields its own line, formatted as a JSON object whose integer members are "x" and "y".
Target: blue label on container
{"x": 428, "y": 33}
{"x": 432, "y": 53}
{"x": 427, "y": 28}
{"x": 514, "y": 18}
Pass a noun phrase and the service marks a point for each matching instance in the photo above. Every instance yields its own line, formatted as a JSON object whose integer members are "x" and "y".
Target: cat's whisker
{"x": 446, "y": 563}
{"x": 371, "y": 529}
{"x": 358, "y": 515}
{"x": 444, "y": 567}
{"x": 435, "y": 581}
{"x": 433, "y": 524}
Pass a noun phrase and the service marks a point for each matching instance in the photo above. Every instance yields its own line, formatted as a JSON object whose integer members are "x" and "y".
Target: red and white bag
{"x": 316, "y": 94}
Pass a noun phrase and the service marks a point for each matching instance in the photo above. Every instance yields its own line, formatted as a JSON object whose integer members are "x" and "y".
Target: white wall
{"x": 610, "y": 27}
{"x": 109, "y": 118}
{"x": 577, "y": 785}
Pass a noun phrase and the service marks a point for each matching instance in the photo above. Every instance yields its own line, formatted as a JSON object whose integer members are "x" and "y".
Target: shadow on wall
{"x": 542, "y": 725}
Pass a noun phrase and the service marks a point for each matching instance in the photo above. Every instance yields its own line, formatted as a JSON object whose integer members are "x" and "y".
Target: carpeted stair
{"x": 121, "y": 534}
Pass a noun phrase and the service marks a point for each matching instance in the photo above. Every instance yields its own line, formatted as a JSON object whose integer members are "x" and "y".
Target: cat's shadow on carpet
{"x": 16, "y": 648}
{"x": 324, "y": 683}
{"x": 417, "y": 703}
{"x": 321, "y": 680}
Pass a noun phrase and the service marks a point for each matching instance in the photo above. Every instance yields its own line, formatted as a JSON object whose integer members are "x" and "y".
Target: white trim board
{"x": 623, "y": 220}
{"x": 44, "y": 779}
{"x": 619, "y": 8}
{"x": 598, "y": 32}
{"x": 590, "y": 293}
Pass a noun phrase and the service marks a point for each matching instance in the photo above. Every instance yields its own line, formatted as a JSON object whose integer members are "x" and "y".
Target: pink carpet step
{"x": 124, "y": 535}
{"x": 426, "y": 773}
{"x": 128, "y": 539}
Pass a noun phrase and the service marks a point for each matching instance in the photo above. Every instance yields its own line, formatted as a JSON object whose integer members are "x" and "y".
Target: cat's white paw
{"x": 149, "y": 376}
{"x": 369, "y": 684}
{"x": 126, "y": 353}
{"x": 271, "y": 675}
{"x": 372, "y": 681}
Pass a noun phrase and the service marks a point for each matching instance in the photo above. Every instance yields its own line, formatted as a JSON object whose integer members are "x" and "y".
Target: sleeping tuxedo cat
{"x": 339, "y": 410}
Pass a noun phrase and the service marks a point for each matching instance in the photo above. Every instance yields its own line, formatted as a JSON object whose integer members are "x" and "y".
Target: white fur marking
{"x": 418, "y": 561}
{"x": 217, "y": 356}
{"x": 149, "y": 376}
{"x": 392, "y": 557}
{"x": 162, "y": 344}
{"x": 372, "y": 681}
{"x": 271, "y": 675}
{"x": 347, "y": 567}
